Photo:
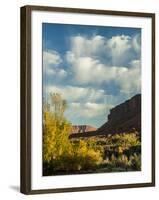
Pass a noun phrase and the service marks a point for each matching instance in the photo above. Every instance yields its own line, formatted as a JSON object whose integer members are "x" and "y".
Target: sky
{"x": 94, "y": 68}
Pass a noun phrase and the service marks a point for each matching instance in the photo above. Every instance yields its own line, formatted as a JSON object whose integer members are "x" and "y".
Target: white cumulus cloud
{"x": 119, "y": 48}
{"x": 83, "y": 46}
{"x": 51, "y": 58}
{"x": 88, "y": 70}
{"x": 130, "y": 80}
{"x": 87, "y": 66}
{"x": 51, "y": 62}
{"x": 74, "y": 93}
{"x": 87, "y": 110}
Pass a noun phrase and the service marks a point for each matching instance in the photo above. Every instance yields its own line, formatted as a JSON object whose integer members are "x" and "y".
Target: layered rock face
{"x": 82, "y": 128}
{"x": 123, "y": 118}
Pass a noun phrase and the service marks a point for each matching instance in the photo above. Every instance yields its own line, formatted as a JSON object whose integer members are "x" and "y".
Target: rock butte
{"x": 125, "y": 117}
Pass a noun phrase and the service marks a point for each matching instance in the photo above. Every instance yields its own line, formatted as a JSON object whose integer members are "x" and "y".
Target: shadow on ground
{"x": 15, "y": 188}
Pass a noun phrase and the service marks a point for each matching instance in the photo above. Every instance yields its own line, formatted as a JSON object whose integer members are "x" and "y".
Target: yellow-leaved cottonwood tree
{"x": 59, "y": 153}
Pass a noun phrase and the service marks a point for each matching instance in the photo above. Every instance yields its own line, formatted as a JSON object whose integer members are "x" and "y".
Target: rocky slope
{"x": 124, "y": 117}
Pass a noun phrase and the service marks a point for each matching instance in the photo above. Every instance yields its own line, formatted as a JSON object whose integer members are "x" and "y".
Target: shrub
{"x": 135, "y": 161}
{"x": 123, "y": 162}
{"x": 119, "y": 144}
{"x": 80, "y": 158}
{"x": 88, "y": 156}
{"x": 118, "y": 162}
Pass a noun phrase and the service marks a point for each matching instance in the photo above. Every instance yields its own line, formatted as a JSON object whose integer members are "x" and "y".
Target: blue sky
{"x": 93, "y": 67}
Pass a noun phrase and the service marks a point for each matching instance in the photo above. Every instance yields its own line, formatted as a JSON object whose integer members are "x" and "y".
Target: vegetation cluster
{"x": 119, "y": 152}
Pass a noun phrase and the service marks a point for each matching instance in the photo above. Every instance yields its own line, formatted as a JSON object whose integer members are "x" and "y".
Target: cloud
{"x": 76, "y": 94}
{"x": 130, "y": 80}
{"x": 51, "y": 64}
{"x": 87, "y": 110}
{"x": 120, "y": 49}
{"x": 87, "y": 113}
{"x": 85, "y": 105}
{"x": 86, "y": 61}
{"x": 83, "y": 46}
{"x": 117, "y": 50}
{"x": 136, "y": 43}
{"x": 51, "y": 57}
{"x": 92, "y": 65}
{"x": 135, "y": 64}
{"x": 88, "y": 70}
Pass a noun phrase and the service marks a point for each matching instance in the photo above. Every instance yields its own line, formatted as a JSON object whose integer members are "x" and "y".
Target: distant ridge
{"x": 125, "y": 117}
{"x": 82, "y": 128}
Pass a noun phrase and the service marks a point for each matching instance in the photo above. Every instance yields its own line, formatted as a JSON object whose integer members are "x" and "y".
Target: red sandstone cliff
{"x": 124, "y": 117}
